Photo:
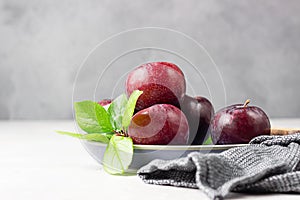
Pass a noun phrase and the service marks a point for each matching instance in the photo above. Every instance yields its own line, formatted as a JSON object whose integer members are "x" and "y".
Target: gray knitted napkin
{"x": 267, "y": 164}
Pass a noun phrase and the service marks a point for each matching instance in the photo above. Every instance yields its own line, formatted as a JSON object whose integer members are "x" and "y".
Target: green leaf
{"x": 130, "y": 108}
{"x": 118, "y": 154}
{"x": 116, "y": 111}
{"x": 208, "y": 141}
{"x": 97, "y": 137}
{"x": 92, "y": 118}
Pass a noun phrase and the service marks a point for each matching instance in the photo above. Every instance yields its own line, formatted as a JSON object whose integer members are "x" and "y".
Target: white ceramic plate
{"x": 143, "y": 154}
{"x": 110, "y": 61}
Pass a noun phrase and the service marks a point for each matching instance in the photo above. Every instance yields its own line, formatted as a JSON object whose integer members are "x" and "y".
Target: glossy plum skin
{"x": 160, "y": 124}
{"x": 161, "y": 83}
{"x": 238, "y": 124}
{"x": 199, "y": 112}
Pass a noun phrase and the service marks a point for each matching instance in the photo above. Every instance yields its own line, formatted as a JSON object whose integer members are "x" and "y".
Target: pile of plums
{"x": 165, "y": 114}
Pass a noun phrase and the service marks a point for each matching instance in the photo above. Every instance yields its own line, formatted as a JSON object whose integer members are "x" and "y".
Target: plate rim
{"x": 177, "y": 147}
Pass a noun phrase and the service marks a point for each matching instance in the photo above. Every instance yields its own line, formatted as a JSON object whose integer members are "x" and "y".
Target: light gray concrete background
{"x": 256, "y": 45}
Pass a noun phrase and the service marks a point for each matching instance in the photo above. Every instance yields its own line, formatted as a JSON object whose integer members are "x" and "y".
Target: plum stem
{"x": 246, "y": 103}
{"x": 121, "y": 133}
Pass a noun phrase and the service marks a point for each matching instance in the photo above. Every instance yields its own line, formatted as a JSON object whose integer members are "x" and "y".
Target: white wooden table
{"x": 38, "y": 164}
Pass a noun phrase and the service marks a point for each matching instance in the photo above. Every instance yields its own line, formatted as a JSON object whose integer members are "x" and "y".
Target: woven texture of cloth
{"x": 267, "y": 164}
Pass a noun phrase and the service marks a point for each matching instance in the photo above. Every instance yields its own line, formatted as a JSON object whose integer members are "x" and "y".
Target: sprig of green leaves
{"x": 129, "y": 110}
{"x": 92, "y": 117}
{"x": 116, "y": 111}
{"x": 208, "y": 141}
{"x": 96, "y": 137}
{"x": 118, "y": 154}
{"x": 101, "y": 125}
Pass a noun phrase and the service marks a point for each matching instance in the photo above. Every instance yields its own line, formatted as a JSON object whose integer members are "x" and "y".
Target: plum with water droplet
{"x": 199, "y": 112}
{"x": 161, "y": 83}
{"x": 159, "y": 124}
{"x": 239, "y": 124}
